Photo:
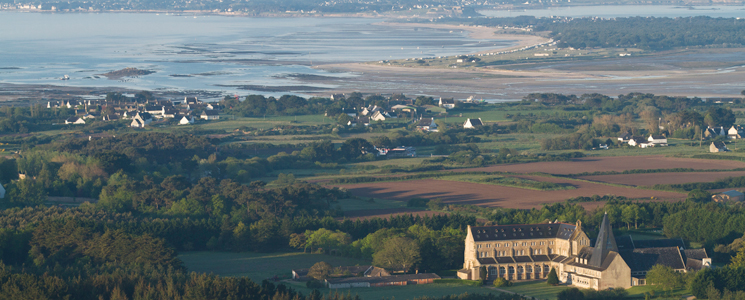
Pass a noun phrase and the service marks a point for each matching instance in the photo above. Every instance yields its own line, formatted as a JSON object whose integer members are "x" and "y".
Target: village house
{"x": 380, "y": 115}
{"x": 729, "y": 196}
{"x": 186, "y": 120}
{"x": 657, "y": 140}
{"x": 192, "y": 100}
{"x": 735, "y": 132}
{"x": 626, "y": 137}
{"x": 718, "y": 147}
{"x": 638, "y": 142}
{"x": 213, "y": 106}
{"x": 472, "y": 123}
{"x": 447, "y": 103}
{"x": 210, "y": 115}
{"x": 530, "y": 251}
{"x": 75, "y": 120}
{"x": 427, "y": 124}
{"x": 712, "y": 132}
{"x": 137, "y": 123}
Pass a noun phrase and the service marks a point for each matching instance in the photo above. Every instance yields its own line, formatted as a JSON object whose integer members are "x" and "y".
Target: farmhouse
{"x": 729, "y": 196}
{"x": 472, "y": 123}
{"x": 186, "y": 120}
{"x": 657, "y": 140}
{"x": 427, "y": 125}
{"x": 625, "y": 137}
{"x": 717, "y": 147}
{"x": 526, "y": 252}
{"x": 735, "y": 132}
{"x": 712, "y": 132}
{"x": 210, "y": 115}
{"x": 74, "y": 120}
{"x": 447, "y": 103}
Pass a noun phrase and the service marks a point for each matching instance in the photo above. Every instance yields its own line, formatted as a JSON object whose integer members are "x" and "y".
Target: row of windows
{"x": 517, "y": 253}
{"x": 515, "y": 244}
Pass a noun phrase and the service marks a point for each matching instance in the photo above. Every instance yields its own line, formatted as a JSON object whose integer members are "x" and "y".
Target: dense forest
{"x": 648, "y": 33}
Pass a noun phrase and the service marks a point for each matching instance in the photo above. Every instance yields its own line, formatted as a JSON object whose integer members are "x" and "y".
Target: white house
{"x": 144, "y": 118}
{"x": 447, "y": 103}
{"x": 210, "y": 115}
{"x": 186, "y": 120}
{"x": 472, "y": 123}
{"x": 74, "y": 120}
{"x": 137, "y": 123}
{"x": 427, "y": 125}
{"x": 657, "y": 140}
{"x": 734, "y": 132}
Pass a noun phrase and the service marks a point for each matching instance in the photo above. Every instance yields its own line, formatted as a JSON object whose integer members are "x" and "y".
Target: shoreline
{"x": 479, "y": 33}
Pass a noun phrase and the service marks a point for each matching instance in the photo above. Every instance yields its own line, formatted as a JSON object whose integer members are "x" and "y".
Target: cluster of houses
{"x": 366, "y": 276}
{"x": 637, "y": 141}
{"x": 370, "y": 113}
{"x": 141, "y": 113}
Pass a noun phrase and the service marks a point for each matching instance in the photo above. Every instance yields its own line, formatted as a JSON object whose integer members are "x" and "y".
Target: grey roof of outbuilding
{"x": 522, "y": 232}
{"x": 678, "y": 242}
{"x": 643, "y": 259}
{"x": 624, "y": 243}
{"x": 695, "y": 253}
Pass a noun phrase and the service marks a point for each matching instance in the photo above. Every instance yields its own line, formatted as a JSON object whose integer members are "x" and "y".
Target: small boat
{"x": 65, "y": 77}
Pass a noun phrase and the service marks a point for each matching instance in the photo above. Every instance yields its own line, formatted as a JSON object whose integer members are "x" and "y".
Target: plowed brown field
{"x": 618, "y": 164}
{"x": 663, "y": 178}
{"x": 494, "y": 195}
{"x": 385, "y": 213}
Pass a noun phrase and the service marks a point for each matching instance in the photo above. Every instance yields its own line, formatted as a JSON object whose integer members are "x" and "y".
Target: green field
{"x": 538, "y": 289}
{"x": 259, "y": 266}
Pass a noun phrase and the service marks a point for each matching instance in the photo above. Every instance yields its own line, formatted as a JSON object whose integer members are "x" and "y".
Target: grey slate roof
{"x": 475, "y": 122}
{"x": 695, "y": 253}
{"x": 522, "y": 232}
{"x": 641, "y": 260}
{"x": 659, "y": 243}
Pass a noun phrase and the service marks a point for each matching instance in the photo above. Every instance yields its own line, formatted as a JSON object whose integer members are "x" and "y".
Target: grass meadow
{"x": 260, "y": 266}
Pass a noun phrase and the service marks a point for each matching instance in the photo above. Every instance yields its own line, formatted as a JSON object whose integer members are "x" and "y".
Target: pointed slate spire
{"x": 605, "y": 242}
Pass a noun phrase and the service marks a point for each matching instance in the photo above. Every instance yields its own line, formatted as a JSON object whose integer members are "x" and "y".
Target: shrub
{"x": 314, "y": 284}
{"x": 501, "y": 282}
{"x": 553, "y": 279}
{"x": 570, "y": 294}
{"x": 417, "y": 202}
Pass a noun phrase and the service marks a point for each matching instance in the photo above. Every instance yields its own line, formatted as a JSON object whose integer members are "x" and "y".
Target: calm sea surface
{"x": 201, "y": 52}
{"x": 615, "y": 11}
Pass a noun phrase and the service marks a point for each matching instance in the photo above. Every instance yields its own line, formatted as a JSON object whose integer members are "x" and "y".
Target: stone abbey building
{"x": 526, "y": 252}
